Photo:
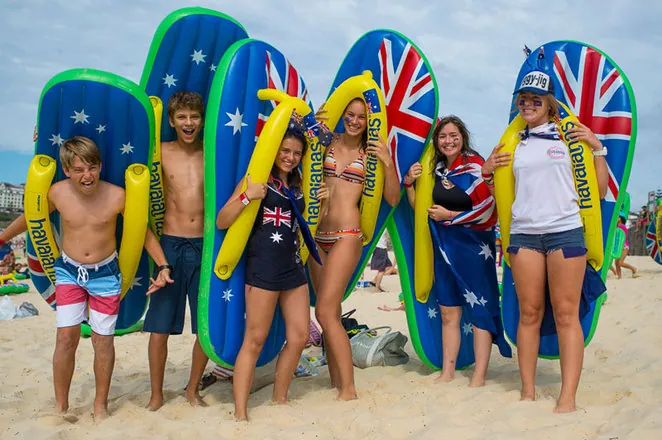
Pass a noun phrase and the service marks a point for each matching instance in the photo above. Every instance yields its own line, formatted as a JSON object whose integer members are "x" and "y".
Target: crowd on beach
{"x": 547, "y": 248}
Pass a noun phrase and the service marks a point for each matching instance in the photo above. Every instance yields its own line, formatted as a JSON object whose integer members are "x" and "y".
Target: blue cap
{"x": 537, "y": 82}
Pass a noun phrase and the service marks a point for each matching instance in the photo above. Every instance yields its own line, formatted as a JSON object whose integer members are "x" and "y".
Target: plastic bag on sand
{"x": 26, "y": 309}
{"x": 306, "y": 368}
{"x": 7, "y": 309}
{"x": 370, "y": 349}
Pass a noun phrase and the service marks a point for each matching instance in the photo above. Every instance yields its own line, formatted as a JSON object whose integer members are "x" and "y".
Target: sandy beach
{"x": 620, "y": 395}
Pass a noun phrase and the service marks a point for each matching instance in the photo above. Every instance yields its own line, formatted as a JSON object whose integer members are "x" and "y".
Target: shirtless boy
{"x": 87, "y": 272}
{"x": 182, "y": 243}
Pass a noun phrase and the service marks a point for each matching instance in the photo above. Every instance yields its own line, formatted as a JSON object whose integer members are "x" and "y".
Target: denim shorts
{"x": 572, "y": 243}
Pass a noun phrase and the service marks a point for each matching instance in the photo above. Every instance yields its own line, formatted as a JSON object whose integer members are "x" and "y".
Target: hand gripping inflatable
{"x": 96, "y": 105}
{"x": 259, "y": 169}
{"x": 365, "y": 88}
{"x": 423, "y": 254}
{"x": 586, "y": 184}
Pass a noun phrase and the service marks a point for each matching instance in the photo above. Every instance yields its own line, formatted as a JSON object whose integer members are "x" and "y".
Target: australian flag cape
{"x": 466, "y": 250}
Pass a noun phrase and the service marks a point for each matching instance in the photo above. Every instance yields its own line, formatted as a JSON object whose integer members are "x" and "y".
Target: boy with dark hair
{"x": 183, "y": 171}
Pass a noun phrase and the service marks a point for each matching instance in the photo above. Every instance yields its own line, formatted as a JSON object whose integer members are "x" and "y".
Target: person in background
{"x": 381, "y": 262}
{"x": 620, "y": 263}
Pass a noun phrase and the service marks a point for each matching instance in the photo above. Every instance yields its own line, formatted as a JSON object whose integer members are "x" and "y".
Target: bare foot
{"x": 445, "y": 377}
{"x": 279, "y": 400}
{"x": 240, "y": 417}
{"x": 100, "y": 413}
{"x": 528, "y": 395}
{"x": 155, "y": 403}
{"x": 62, "y": 409}
{"x": 635, "y": 274}
{"x": 195, "y": 399}
{"x": 477, "y": 382}
{"x": 349, "y": 394}
{"x": 563, "y": 408}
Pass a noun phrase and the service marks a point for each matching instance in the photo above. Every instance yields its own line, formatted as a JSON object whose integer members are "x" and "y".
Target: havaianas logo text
{"x": 42, "y": 246}
{"x": 313, "y": 207}
{"x": 157, "y": 199}
{"x": 579, "y": 169}
{"x": 371, "y": 159}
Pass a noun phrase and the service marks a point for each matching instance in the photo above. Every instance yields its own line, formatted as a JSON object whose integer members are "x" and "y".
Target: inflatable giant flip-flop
{"x": 185, "y": 52}
{"x": 117, "y": 115}
{"x": 242, "y": 132}
{"x": 596, "y": 90}
{"x": 410, "y": 94}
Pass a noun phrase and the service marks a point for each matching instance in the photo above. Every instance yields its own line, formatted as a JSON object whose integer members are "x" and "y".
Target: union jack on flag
{"x": 465, "y": 173}
{"x": 404, "y": 81}
{"x": 593, "y": 89}
{"x": 652, "y": 246}
{"x": 277, "y": 216}
{"x": 293, "y": 85}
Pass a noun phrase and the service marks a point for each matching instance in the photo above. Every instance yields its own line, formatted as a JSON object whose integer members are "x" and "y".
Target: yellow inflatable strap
{"x": 40, "y": 176}
{"x": 588, "y": 192}
{"x": 586, "y": 184}
{"x": 156, "y": 194}
{"x": 259, "y": 169}
{"x": 136, "y": 180}
{"x": 361, "y": 86}
{"x": 658, "y": 227}
{"x": 423, "y": 251}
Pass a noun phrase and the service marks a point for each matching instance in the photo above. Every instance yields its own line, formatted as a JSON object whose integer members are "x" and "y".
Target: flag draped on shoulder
{"x": 465, "y": 173}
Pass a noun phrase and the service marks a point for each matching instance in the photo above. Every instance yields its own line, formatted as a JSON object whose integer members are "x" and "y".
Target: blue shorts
{"x": 572, "y": 243}
{"x": 167, "y": 306}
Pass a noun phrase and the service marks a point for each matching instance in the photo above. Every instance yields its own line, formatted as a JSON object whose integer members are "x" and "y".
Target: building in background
{"x": 11, "y": 197}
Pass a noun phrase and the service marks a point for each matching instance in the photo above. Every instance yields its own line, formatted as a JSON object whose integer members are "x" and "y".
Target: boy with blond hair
{"x": 87, "y": 272}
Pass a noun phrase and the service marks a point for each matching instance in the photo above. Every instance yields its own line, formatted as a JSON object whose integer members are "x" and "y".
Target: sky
{"x": 474, "y": 47}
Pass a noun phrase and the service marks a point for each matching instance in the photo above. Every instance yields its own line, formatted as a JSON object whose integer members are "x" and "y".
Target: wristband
{"x": 489, "y": 180}
{"x": 244, "y": 199}
{"x": 2, "y": 242}
{"x": 164, "y": 267}
{"x": 487, "y": 176}
{"x": 409, "y": 185}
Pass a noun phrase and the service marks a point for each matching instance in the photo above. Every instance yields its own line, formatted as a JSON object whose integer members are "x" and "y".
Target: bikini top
{"x": 354, "y": 172}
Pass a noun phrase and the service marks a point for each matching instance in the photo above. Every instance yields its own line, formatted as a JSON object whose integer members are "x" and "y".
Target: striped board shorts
{"x": 79, "y": 285}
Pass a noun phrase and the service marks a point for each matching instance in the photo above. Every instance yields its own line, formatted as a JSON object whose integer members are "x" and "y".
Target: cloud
{"x": 474, "y": 48}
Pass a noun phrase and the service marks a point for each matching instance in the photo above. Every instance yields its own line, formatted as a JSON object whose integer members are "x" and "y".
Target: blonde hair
{"x": 82, "y": 147}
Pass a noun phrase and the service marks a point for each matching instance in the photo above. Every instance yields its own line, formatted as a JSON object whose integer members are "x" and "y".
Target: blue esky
{"x": 474, "y": 47}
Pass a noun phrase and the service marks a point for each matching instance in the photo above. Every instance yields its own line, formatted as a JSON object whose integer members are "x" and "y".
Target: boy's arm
{"x": 18, "y": 226}
{"x": 155, "y": 251}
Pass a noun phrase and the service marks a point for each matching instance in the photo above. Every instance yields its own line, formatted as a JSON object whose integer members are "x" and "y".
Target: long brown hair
{"x": 467, "y": 149}
{"x": 294, "y": 176}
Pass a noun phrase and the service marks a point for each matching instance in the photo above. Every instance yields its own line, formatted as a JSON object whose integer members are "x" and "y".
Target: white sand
{"x": 620, "y": 395}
